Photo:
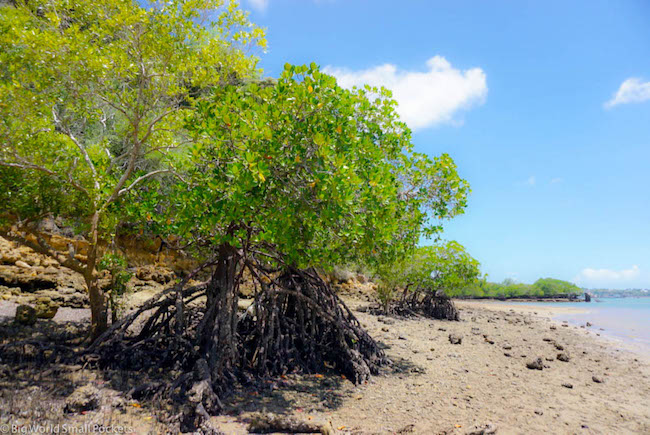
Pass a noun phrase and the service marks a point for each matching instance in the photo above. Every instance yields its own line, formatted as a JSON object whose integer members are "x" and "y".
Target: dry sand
{"x": 439, "y": 387}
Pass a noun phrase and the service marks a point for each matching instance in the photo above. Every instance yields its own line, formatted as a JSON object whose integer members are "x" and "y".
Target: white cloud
{"x": 607, "y": 277}
{"x": 425, "y": 98}
{"x": 632, "y": 90}
{"x": 531, "y": 180}
{"x": 259, "y": 5}
{"x": 556, "y": 180}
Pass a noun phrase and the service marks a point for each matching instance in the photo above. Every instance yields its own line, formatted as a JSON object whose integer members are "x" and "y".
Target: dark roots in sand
{"x": 435, "y": 305}
{"x": 295, "y": 324}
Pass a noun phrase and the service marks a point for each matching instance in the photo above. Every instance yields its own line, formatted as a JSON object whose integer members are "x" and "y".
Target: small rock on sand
{"x": 536, "y": 364}
{"x": 455, "y": 338}
{"x": 82, "y": 399}
{"x": 567, "y": 385}
{"x": 597, "y": 379}
{"x": 25, "y": 315}
{"x": 563, "y": 356}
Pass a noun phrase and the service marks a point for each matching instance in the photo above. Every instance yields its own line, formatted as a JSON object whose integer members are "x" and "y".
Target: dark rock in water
{"x": 587, "y": 297}
{"x": 83, "y": 398}
{"x": 597, "y": 379}
{"x": 25, "y": 315}
{"x": 536, "y": 364}
{"x": 455, "y": 338}
{"x": 567, "y": 385}
{"x": 563, "y": 356}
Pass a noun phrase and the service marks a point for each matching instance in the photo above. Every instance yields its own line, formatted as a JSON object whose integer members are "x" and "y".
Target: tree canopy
{"x": 309, "y": 170}
{"x": 93, "y": 100}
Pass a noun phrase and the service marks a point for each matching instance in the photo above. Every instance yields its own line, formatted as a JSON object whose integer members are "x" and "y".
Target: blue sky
{"x": 545, "y": 107}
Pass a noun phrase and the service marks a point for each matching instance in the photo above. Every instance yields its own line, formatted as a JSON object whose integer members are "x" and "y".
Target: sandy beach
{"x": 439, "y": 387}
{"x": 433, "y": 387}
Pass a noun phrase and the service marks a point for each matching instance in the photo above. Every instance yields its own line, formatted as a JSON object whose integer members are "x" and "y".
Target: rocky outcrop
{"x": 27, "y": 277}
{"x": 45, "y": 308}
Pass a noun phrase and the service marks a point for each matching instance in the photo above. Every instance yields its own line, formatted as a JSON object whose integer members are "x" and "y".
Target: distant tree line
{"x": 542, "y": 288}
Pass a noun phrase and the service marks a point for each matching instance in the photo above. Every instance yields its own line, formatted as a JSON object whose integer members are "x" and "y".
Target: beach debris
{"x": 536, "y": 364}
{"x": 84, "y": 398}
{"x": 455, "y": 338}
{"x": 597, "y": 379}
{"x": 409, "y": 428}
{"x": 488, "y": 429}
{"x": 567, "y": 385}
{"x": 269, "y": 423}
{"x": 563, "y": 356}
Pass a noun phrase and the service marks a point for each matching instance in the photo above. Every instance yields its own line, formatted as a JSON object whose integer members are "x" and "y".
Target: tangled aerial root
{"x": 433, "y": 305}
{"x": 299, "y": 324}
{"x": 296, "y": 324}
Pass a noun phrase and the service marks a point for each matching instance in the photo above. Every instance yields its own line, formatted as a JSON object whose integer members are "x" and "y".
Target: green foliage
{"x": 447, "y": 267}
{"x": 93, "y": 100}
{"x": 546, "y": 287}
{"x": 302, "y": 167}
{"x": 550, "y": 287}
{"x": 93, "y": 95}
{"x": 116, "y": 265}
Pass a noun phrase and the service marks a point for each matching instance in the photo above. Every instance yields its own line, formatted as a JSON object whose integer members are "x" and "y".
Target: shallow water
{"x": 627, "y": 319}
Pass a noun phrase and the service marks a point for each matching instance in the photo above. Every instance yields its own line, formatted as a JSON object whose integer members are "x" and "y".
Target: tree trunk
{"x": 98, "y": 299}
{"x": 98, "y": 308}
{"x": 218, "y": 331}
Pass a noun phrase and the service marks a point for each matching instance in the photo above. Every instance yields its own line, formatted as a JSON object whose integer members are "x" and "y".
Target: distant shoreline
{"x": 576, "y": 317}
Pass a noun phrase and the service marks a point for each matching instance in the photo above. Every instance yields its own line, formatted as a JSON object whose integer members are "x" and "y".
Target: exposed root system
{"x": 299, "y": 324}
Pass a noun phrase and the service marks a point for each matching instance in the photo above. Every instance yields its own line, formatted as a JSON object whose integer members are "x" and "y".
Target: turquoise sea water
{"x": 626, "y": 319}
